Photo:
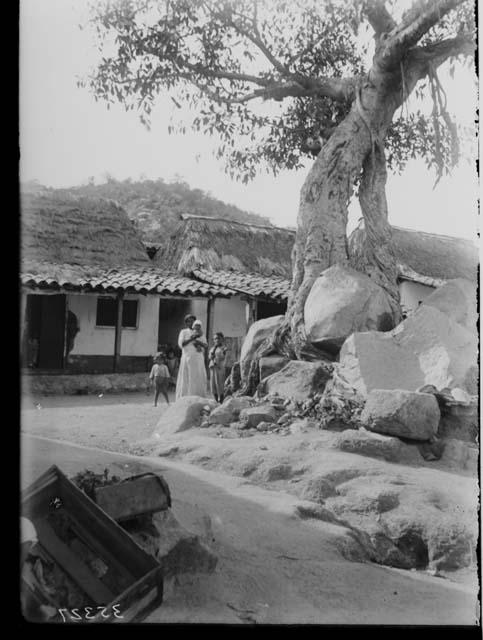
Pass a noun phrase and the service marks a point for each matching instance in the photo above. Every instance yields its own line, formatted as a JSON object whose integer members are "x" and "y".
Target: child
{"x": 197, "y": 333}
{"x": 160, "y": 376}
{"x": 216, "y": 365}
{"x": 172, "y": 362}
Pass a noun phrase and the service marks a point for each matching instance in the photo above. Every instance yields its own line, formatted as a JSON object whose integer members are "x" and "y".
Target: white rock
{"x": 427, "y": 348}
{"x": 257, "y": 333}
{"x": 401, "y": 413}
{"x": 457, "y": 299}
{"x": 297, "y": 380}
{"x": 342, "y": 301}
{"x": 183, "y": 414}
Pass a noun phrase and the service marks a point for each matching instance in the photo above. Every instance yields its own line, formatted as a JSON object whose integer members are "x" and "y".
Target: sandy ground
{"x": 274, "y": 567}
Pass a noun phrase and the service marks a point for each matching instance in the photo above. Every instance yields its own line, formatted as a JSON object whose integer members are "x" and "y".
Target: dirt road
{"x": 273, "y": 567}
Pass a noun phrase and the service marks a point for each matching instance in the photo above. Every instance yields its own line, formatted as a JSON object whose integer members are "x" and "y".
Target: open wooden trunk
{"x": 93, "y": 565}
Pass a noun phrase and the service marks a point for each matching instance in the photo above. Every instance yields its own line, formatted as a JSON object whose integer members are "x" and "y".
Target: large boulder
{"x": 426, "y": 348}
{"x": 405, "y": 414}
{"x": 252, "y": 417}
{"x": 297, "y": 380}
{"x": 183, "y": 414}
{"x": 366, "y": 443}
{"x": 271, "y": 364}
{"x": 341, "y": 302}
{"x": 457, "y": 299}
{"x": 257, "y": 333}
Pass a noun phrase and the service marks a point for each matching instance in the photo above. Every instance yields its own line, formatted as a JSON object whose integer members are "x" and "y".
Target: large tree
{"x": 276, "y": 80}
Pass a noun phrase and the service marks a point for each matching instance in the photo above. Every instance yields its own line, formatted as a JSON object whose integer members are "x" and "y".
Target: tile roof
{"x": 273, "y": 287}
{"x": 44, "y": 275}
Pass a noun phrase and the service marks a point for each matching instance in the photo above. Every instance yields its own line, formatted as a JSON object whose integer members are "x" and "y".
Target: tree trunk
{"x": 321, "y": 226}
{"x": 355, "y": 146}
{"x": 376, "y": 257}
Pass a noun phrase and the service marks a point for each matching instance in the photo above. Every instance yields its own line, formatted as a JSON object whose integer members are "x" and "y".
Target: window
{"x": 130, "y": 314}
{"x": 106, "y": 314}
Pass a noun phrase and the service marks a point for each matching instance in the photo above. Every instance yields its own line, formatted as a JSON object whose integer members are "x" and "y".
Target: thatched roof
{"x": 217, "y": 244}
{"x": 427, "y": 257}
{"x": 62, "y": 228}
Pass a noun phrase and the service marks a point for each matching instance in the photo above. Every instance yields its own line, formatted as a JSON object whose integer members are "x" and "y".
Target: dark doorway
{"x": 171, "y": 321}
{"x": 45, "y": 328}
{"x": 269, "y": 309}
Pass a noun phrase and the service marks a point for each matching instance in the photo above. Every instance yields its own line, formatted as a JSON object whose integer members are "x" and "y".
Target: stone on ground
{"x": 461, "y": 422}
{"x": 235, "y": 404}
{"x": 457, "y": 299}
{"x": 318, "y": 489}
{"x": 221, "y": 415}
{"x": 265, "y": 426}
{"x": 426, "y": 348}
{"x": 183, "y": 414}
{"x": 302, "y": 425}
{"x": 271, "y": 364}
{"x": 405, "y": 414}
{"x": 279, "y": 472}
{"x": 250, "y": 418}
{"x": 341, "y": 302}
{"x": 257, "y": 333}
{"x": 366, "y": 443}
{"x": 297, "y": 380}
{"x": 460, "y": 455}
{"x": 177, "y": 550}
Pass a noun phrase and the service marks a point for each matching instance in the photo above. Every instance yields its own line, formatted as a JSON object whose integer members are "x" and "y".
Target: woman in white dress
{"x": 192, "y": 379}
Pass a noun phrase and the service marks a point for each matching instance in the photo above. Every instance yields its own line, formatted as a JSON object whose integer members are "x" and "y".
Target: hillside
{"x": 156, "y": 206}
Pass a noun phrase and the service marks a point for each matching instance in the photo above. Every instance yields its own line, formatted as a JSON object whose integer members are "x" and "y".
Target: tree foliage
{"x": 264, "y": 76}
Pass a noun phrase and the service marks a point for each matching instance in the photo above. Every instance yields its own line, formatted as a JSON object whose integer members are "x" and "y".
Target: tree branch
{"x": 335, "y": 88}
{"x": 226, "y": 75}
{"x": 379, "y": 17}
{"x": 258, "y": 42}
{"x": 421, "y": 60}
{"x": 438, "y": 53}
{"x": 424, "y": 15}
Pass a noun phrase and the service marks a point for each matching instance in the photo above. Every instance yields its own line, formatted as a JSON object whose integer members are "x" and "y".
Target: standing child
{"x": 216, "y": 365}
{"x": 172, "y": 362}
{"x": 160, "y": 377}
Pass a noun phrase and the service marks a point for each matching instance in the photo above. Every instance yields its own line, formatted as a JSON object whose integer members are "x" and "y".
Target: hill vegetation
{"x": 156, "y": 206}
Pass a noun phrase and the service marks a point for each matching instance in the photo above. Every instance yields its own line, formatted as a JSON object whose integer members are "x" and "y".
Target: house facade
{"x": 252, "y": 261}
{"x": 81, "y": 312}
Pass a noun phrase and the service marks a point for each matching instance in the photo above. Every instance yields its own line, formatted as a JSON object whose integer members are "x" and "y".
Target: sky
{"x": 66, "y": 137}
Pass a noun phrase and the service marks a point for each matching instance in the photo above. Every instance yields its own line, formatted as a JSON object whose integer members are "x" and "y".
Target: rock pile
{"x": 429, "y": 347}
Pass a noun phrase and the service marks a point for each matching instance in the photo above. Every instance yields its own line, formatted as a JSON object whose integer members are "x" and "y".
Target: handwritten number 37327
{"x": 88, "y": 613}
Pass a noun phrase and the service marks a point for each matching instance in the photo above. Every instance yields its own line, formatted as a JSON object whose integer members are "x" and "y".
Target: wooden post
{"x": 118, "y": 332}
{"x": 210, "y": 323}
{"x": 66, "y": 319}
{"x": 252, "y": 311}
{"x": 23, "y": 327}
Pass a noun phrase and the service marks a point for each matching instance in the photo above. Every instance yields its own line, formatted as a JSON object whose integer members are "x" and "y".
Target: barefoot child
{"x": 216, "y": 366}
{"x": 160, "y": 376}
